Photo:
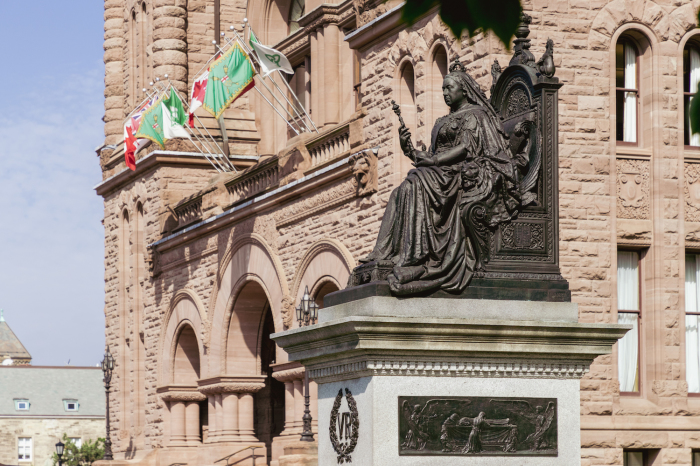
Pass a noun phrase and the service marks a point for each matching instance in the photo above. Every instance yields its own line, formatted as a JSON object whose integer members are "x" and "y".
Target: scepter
{"x": 395, "y": 107}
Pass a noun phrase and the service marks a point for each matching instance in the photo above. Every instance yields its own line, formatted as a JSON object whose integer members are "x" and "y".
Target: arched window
{"x": 627, "y": 90}
{"x": 438, "y": 70}
{"x": 407, "y": 102}
{"x": 296, "y": 11}
{"x": 691, "y": 76}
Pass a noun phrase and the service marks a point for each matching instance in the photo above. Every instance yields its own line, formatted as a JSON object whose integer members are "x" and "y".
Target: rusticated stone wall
{"x": 645, "y": 198}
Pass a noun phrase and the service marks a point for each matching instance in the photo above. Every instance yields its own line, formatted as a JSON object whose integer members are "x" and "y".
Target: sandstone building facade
{"x": 201, "y": 267}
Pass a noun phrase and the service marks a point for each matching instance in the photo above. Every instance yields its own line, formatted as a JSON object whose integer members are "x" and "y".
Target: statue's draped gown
{"x": 423, "y": 232}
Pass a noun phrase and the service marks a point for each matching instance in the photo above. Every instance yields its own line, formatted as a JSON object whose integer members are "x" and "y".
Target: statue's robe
{"x": 423, "y": 232}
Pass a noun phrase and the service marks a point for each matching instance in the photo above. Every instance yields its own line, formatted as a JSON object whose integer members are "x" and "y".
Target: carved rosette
{"x": 633, "y": 189}
{"x": 692, "y": 192}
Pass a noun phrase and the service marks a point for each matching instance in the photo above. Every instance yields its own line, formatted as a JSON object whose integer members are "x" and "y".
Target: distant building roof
{"x": 46, "y": 389}
{"x": 10, "y": 346}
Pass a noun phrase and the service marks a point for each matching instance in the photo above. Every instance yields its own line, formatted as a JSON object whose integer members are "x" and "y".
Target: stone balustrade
{"x": 329, "y": 146}
{"x": 188, "y": 211}
{"x": 254, "y": 181}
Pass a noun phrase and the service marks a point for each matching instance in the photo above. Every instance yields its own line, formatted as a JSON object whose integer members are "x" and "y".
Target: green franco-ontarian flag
{"x": 230, "y": 76}
{"x": 151, "y": 126}
{"x": 174, "y": 117}
{"x": 269, "y": 58}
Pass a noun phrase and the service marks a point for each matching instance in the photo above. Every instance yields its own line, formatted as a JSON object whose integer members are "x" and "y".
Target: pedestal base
{"x": 452, "y": 382}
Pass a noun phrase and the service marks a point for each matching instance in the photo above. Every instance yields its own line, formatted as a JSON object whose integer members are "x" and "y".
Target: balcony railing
{"x": 329, "y": 146}
{"x": 260, "y": 178}
{"x": 188, "y": 211}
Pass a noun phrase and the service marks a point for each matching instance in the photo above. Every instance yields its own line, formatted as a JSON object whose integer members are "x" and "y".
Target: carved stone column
{"x": 331, "y": 89}
{"x": 234, "y": 405}
{"x": 170, "y": 41}
{"x": 184, "y": 413}
{"x": 213, "y": 426}
{"x": 298, "y": 403}
{"x": 114, "y": 71}
{"x": 177, "y": 424}
{"x": 229, "y": 403}
{"x": 192, "y": 423}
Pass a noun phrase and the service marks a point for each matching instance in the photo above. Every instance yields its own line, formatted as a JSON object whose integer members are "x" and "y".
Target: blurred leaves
{"x": 471, "y": 16}
{"x": 89, "y": 452}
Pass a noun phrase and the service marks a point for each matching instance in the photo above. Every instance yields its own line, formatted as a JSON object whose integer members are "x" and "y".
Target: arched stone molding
{"x": 249, "y": 258}
{"x": 326, "y": 260}
{"x": 184, "y": 310}
{"x": 647, "y": 13}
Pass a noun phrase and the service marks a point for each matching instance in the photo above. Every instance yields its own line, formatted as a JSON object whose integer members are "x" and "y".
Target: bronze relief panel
{"x": 477, "y": 426}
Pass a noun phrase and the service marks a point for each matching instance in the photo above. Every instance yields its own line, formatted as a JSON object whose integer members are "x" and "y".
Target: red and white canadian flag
{"x": 199, "y": 88}
{"x": 131, "y": 144}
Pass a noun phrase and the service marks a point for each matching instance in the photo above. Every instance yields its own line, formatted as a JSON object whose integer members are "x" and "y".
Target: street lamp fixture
{"x": 59, "y": 451}
{"x": 107, "y": 368}
{"x": 307, "y": 313}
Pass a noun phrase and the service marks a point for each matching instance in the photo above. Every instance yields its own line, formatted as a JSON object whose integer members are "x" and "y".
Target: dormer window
{"x": 22, "y": 405}
{"x": 71, "y": 405}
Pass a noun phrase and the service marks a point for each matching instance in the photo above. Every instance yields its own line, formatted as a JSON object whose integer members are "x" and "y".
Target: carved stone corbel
{"x": 364, "y": 169}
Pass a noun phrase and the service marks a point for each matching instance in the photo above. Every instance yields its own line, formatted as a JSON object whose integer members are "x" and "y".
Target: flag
{"x": 269, "y": 58}
{"x": 131, "y": 144}
{"x": 231, "y": 76}
{"x": 151, "y": 126}
{"x": 197, "y": 98}
{"x": 174, "y": 117}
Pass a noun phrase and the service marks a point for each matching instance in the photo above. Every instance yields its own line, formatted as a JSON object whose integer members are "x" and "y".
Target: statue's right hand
{"x": 405, "y": 139}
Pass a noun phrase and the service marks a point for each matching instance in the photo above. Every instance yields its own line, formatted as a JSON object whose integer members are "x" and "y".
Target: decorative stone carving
{"x": 231, "y": 384}
{"x": 289, "y": 374}
{"x": 364, "y": 169}
{"x": 692, "y": 192}
{"x": 368, "y": 10}
{"x": 287, "y": 310}
{"x": 153, "y": 262}
{"x": 470, "y": 426}
{"x": 344, "y": 436}
{"x": 336, "y": 195}
{"x": 633, "y": 189}
{"x": 180, "y": 393}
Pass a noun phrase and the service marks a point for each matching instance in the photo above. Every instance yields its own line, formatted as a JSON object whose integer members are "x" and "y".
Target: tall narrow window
{"x": 696, "y": 458}
{"x": 296, "y": 11}
{"x": 24, "y": 446}
{"x": 634, "y": 458}
{"x": 627, "y": 90}
{"x": 691, "y": 76}
{"x": 692, "y": 319}
{"x": 628, "y": 313}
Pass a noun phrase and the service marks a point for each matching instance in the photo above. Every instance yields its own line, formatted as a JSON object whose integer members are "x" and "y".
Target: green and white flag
{"x": 163, "y": 121}
{"x": 269, "y": 58}
{"x": 230, "y": 76}
{"x": 151, "y": 126}
{"x": 174, "y": 117}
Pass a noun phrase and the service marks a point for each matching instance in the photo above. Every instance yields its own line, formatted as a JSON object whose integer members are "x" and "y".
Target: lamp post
{"x": 107, "y": 368}
{"x": 307, "y": 312}
{"x": 59, "y": 452}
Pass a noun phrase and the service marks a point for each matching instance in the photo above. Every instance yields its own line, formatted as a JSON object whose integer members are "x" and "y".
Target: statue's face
{"x": 452, "y": 92}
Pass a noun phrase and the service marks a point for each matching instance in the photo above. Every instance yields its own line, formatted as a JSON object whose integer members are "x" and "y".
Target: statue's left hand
{"x": 424, "y": 159}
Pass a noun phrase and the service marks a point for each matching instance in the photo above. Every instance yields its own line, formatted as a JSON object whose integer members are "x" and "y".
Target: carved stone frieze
{"x": 231, "y": 384}
{"x": 364, "y": 169}
{"x": 180, "y": 393}
{"x": 327, "y": 14}
{"x": 336, "y": 195}
{"x": 692, "y": 192}
{"x": 633, "y": 189}
{"x": 368, "y": 10}
{"x": 530, "y": 369}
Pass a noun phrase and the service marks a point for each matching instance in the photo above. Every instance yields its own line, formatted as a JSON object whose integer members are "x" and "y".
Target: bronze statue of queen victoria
{"x": 424, "y": 231}
{"x": 478, "y": 215}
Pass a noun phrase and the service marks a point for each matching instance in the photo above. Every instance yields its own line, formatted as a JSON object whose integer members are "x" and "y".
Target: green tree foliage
{"x": 89, "y": 452}
{"x": 471, "y": 16}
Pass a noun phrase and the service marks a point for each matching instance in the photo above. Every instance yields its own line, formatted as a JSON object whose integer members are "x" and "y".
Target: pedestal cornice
{"x": 175, "y": 392}
{"x": 231, "y": 384}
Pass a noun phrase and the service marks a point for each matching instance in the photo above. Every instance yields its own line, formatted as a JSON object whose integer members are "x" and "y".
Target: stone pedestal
{"x": 403, "y": 381}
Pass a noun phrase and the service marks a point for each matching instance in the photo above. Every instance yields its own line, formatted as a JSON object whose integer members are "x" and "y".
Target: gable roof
{"x": 10, "y": 346}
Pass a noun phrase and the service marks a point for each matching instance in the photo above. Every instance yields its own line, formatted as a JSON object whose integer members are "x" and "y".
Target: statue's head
{"x": 458, "y": 86}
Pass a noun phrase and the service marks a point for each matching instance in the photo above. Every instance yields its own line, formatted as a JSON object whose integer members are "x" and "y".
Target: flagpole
{"x": 272, "y": 105}
{"x": 273, "y": 81}
{"x": 246, "y": 23}
{"x": 212, "y": 137}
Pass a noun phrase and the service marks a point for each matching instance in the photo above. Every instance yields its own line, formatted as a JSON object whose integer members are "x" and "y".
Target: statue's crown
{"x": 457, "y": 66}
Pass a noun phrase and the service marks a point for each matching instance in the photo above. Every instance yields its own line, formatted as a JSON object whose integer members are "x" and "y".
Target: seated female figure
{"x": 424, "y": 232}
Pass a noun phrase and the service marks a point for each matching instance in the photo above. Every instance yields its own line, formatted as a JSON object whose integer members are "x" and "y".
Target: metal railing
{"x": 250, "y": 447}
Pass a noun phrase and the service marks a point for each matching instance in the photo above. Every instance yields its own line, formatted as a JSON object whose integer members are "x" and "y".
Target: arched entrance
{"x": 250, "y": 351}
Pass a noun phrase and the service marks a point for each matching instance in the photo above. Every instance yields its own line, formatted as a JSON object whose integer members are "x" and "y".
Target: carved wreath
{"x": 344, "y": 450}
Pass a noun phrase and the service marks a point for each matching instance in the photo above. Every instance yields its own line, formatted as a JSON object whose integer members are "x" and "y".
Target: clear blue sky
{"x": 51, "y": 236}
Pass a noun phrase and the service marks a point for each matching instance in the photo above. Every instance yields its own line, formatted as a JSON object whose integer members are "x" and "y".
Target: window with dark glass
{"x": 691, "y": 76}
{"x": 628, "y": 313}
{"x": 627, "y": 91}
{"x": 634, "y": 458}
{"x": 296, "y": 11}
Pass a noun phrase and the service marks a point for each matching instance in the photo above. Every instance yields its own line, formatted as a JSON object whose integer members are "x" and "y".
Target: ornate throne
{"x": 517, "y": 260}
